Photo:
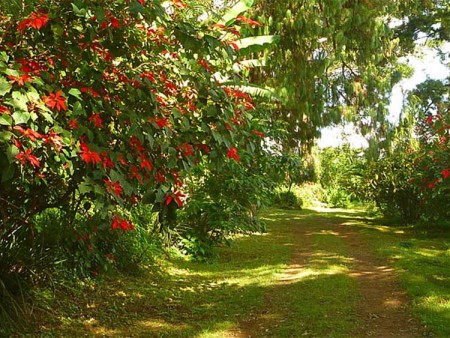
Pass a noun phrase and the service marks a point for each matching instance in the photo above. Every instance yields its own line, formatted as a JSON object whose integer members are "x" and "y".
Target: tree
{"x": 335, "y": 62}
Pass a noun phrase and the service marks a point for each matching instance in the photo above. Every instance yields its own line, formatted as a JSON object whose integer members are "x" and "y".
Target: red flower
{"x": 96, "y": 120}
{"x": 258, "y": 133}
{"x": 114, "y": 187}
{"x": 4, "y": 110}
{"x": 73, "y": 124}
{"x": 20, "y": 80}
{"x": 233, "y": 154}
{"x": 203, "y": 147}
{"x": 27, "y": 155}
{"x": 177, "y": 196}
{"x": 136, "y": 144}
{"x": 205, "y": 65}
{"x": 121, "y": 223}
{"x": 114, "y": 22}
{"x": 36, "y": 20}
{"x": 145, "y": 163}
{"x": 162, "y": 122}
{"x": 233, "y": 44}
{"x": 248, "y": 21}
{"x": 160, "y": 177}
{"x": 135, "y": 174}
{"x": 55, "y": 140}
{"x": 106, "y": 161}
{"x": 122, "y": 160}
{"x": 55, "y": 101}
{"x": 30, "y": 133}
{"x": 429, "y": 119}
{"x": 445, "y": 173}
{"x": 88, "y": 155}
{"x": 148, "y": 75}
{"x": 186, "y": 148}
{"x": 179, "y": 4}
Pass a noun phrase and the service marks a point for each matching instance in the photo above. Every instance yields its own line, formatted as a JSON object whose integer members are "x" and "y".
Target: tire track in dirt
{"x": 384, "y": 309}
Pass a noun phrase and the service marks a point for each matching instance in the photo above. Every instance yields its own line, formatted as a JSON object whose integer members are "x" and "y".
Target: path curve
{"x": 384, "y": 309}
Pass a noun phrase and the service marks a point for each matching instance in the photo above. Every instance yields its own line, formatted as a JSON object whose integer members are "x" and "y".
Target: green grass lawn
{"x": 191, "y": 299}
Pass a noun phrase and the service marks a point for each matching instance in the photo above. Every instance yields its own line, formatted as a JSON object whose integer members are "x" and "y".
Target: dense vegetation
{"x": 129, "y": 129}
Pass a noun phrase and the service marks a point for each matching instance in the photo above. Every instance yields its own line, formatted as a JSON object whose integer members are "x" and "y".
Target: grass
{"x": 186, "y": 299}
{"x": 272, "y": 285}
{"x": 305, "y": 301}
{"x": 422, "y": 260}
{"x": 191, "y": 299}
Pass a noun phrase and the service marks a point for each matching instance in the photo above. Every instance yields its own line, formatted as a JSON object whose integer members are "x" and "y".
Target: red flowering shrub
{"x": 433, "y": 165}
{"x": 107, "y": 104}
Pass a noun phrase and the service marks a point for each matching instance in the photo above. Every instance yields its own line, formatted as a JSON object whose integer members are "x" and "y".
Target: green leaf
{"x": 136, "y": 7}
{"x": 11, "y": 152}
{"x": 75, "y": 92}
{"x": 237, "y": 9}
{"x": 257, "y": 41}
{"x": 100, "y": 14}
{"x": 267, "y": 93}
{"x": 5, "y": 120}
{"x": 8, "y": 173}
{"x": 47, "y": 116}
{"x": 78, "y": 12}
{"x": 5, "y": 135}
{"x": 21, "y": 117}
{"x": 252, "y": 63}
{"x": 78, "y": 109}
{"x": 189, "y": 42}
{"x": 4, "y": 57}
{"x": 57, "y": 29}
{"x": 149, "y": 197}
{"x": 19, "y": 101}
{"x": 5, "y": 86}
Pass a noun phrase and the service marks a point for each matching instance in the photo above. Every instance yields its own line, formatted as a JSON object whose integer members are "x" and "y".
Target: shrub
{"x": 102, "y": 106}
{"x": 287, "y": 200}
{"x": 337, "y": 197}
{"x": 388, "y": 182}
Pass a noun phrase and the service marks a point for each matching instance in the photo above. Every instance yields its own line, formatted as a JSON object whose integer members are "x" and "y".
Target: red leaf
{"x": 233, "y": 154}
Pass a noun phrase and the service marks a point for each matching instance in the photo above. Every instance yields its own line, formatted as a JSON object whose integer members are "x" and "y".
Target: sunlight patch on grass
{"x": 160, "y": 325}
{"x": 294, "y": 274}
{"x": 219, "y": 330}
{"x": 326, "y": 210}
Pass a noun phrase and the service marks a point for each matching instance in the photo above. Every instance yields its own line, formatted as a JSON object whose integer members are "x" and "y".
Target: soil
{"x": 384, "y": 308}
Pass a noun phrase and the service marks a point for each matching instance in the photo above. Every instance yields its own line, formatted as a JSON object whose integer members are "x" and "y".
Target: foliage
{"x": 335, "y": 62}
{"x": 431, "y": 103}
{"x": 107, "y": 112}
{"x": 310, "y": 193}
{"x": 340, "y": 174}
{"x": 218, "y": 211}
{"x": 288, "y": 169}
{"x": 287, "y": 200}
{"x": 388, "y": 182}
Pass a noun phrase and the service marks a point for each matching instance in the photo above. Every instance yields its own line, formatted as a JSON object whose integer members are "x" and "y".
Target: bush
{"x": 104, "y": 105}
{"x": 310, "y": 194}
{"x": 287, "y": 200}
{"x": 216, "y": 212}
{"x": 388, "y": 182}
{"x": 338, "y": 198}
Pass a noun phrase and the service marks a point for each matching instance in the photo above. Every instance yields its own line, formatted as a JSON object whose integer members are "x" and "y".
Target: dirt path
{"x": 383, "y": 309}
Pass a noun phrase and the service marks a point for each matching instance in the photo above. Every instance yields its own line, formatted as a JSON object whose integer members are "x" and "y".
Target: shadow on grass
{"x": 243, "y": 288}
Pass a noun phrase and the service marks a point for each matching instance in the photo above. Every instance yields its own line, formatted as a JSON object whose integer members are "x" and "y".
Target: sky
{"x": 428, "y": 66}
